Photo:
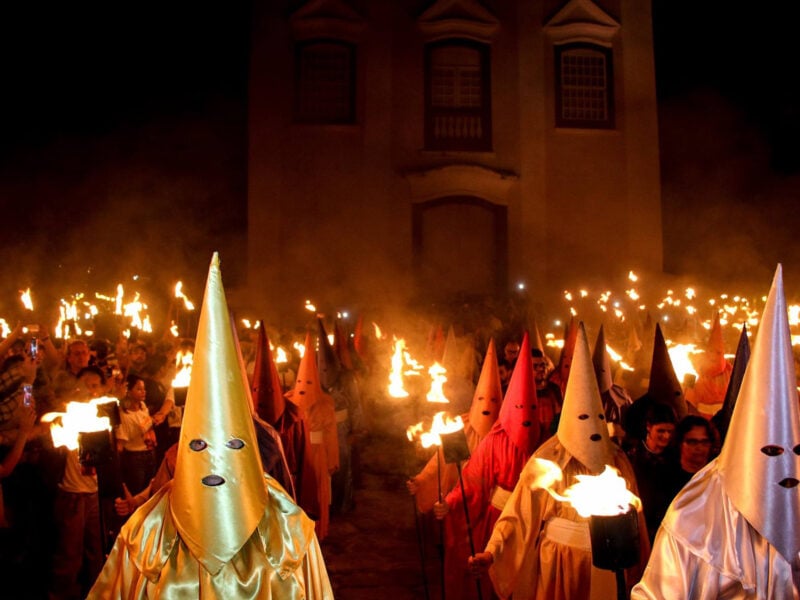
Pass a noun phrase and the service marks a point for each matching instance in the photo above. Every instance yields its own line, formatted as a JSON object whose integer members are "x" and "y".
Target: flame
{"x": 606, "y": 494}
{"x": 679, "y": 355}
{"x": 378, "y": 332}
{"x": 396, "y": 389}
{"x": 438, "y": 379}
{"x": 5, "y": 330}
{"x": 173, "y": 329}
{"x": 617, "y": 357}
{"x": 118, "y": 299}
{"x": 301, "y": 348}
{"x": 632, "y": 276}
{"x": 310, "y": 307}
{"x": 80, "y": 417}
{"x": 188, "y": 304}
{"x": 281, "y": 356}
{"x": 442, "y": 424}
{"x": 183, "y": 365}
{"x": 247, "y": 324}
{"x": 27, "y": 301}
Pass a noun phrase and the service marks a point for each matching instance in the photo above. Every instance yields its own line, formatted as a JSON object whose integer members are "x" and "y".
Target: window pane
{"x": 325, "y": 83}
{"x": 584, "y": 91}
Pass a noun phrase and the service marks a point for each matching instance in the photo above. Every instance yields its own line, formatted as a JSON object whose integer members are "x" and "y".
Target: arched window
{"x": 584, "y": 86}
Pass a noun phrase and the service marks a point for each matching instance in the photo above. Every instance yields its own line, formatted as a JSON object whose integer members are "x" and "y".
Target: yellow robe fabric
{"x": 529, "y": 565}
{"x": 706, "y": 550}
{"x": 281, "y": 560}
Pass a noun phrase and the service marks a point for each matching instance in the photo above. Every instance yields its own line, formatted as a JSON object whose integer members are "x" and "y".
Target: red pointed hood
{"x": 341, "y": 346}
{"x": 268, "y": 400}
{"x": 518, "y": 415}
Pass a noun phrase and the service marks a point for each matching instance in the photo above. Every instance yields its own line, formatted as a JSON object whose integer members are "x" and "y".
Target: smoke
{"x": 728, "y": 217}
{"x": 150, "y": 202}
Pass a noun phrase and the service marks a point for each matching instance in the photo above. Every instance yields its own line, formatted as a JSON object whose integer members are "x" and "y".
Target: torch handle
{"x": 469, "y": 525}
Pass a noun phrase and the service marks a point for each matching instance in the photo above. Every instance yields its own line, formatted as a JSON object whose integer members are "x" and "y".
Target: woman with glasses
{"x": 694, "y": 440}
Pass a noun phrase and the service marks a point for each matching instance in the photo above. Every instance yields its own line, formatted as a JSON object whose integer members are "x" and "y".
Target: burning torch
{"x": 87, "y": 427}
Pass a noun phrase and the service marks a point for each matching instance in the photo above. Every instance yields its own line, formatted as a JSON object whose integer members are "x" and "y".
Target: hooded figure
{"x": 284, "y": 415}
{"x": 342, "y": 386}
{"x": 614, "y": 397}
{"x": 221, "y": 529}
{"x": 561, "y": 374}
{"x": 477, "y": 423}
{"x": 489, "y": 476}
{"x": 708, "y": 393}
{"x": 734, "y": 529}
{"x": 319, "y": 414}
{"x": 540, "y": 547}
{"x": 722, "y": 419}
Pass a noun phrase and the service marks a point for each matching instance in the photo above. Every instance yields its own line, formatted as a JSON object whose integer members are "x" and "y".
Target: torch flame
{"x": 181, "y": 296}
{"x": 438, "y": 379}
{"x": 280, "y": 355}
{"x": 606, "y": 494}
{"x": 396, "y": 389}
{"x": 310, "y": 307}
{"x": 679, "y": 355}
{"x": 80, "y": 417}
{"x": 183, "y": 364}
{"x": 25, "y": 296}
{"x": 442, "y": 424}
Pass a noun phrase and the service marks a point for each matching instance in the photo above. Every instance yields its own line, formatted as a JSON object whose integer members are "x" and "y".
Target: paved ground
{"x": 373, "y": 553}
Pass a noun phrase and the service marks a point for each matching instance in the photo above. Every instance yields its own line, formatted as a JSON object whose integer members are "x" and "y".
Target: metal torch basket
{"x": 615, "y": 540}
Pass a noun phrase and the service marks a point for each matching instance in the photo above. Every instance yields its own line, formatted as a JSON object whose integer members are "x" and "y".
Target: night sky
{"x": 124, "y": 123}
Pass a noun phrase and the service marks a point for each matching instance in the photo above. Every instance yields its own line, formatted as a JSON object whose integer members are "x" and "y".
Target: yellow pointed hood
{"x": 219, "y": 496}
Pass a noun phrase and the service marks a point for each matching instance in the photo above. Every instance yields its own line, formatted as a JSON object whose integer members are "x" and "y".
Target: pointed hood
{"x": 268, "y": 400}
{"x": 328, "y": 364}
{"x": 518, "y": 415}
{"x": 450, "y": 355}
{"x": 664, "y": 386}
{"x": 307, "y": 387}
{"x": 582, "y": 428}
{"x": 561, "y": 374}
{"x": 602, "y": 363}
{"x": 714, "y": 359}
{"x": 723, "y": 418}
{"x": 218, "y": 496}
{"x": 488, "y": 396}
{"x": 760, "y": 451}
{"x": 538, "y": 342}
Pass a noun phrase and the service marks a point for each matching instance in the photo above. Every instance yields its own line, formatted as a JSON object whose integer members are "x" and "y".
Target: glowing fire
{"x": 606, "y": 494}
{"x": 183, "y": 365}
{"x": 442, "y": 424}
{"x": 402, "y": 365}
{"x": 378, "y": 332}
{"x": 438, "y": 379}
{"x": 281, "y": 356}
{"x": 680, "y": 356}
{"x": 310, "y": 307}
{"x": 301, "y": 348}
{"x": 27, "y": 301}
{"x": 81, "y": 417}
{"x": 396, "y": 389}
{"x": 188, "y": 304}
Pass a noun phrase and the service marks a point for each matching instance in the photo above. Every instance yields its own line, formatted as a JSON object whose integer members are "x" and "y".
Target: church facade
{"x": 442, "y": 148}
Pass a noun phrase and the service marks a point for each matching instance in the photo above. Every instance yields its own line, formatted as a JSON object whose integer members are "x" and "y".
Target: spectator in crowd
{"x": 652, "y": 466}
{"x": 136, "y": 440}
